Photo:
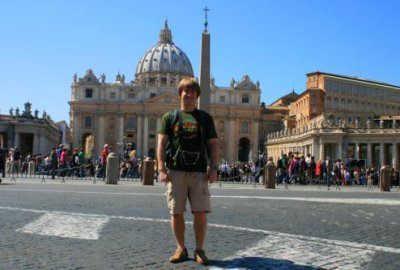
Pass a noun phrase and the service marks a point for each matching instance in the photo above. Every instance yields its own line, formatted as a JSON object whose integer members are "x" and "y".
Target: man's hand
{"x": 212, "y": 175}
{"x": 163, "y": 175}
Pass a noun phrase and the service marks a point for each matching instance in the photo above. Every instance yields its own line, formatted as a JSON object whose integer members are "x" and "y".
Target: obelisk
{"x": 204, "y": 100}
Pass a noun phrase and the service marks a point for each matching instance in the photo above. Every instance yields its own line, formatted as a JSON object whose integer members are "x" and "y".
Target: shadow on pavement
{"x": 250, "y": 263}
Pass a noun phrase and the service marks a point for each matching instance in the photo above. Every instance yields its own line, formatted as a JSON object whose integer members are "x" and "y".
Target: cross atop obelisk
{"x": 206, "y": 9}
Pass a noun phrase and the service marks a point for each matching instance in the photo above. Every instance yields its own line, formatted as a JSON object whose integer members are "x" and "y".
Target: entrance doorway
{"x": 244, "y": 149}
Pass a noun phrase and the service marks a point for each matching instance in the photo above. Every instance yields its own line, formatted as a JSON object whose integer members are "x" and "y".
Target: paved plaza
{"x": 82, "y": 225}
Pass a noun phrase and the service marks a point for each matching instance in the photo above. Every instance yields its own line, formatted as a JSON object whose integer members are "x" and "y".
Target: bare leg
{"x": 200, "y": 228}
{"x": 178, "y": 228}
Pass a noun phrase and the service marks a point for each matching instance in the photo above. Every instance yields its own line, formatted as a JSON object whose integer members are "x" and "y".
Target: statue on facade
{"x": 381, "y": 123}
{"x": 356, "y": 123}
{"x": 394, "y": 123}
{"x": 103, "y": 78}
{"x": 329, "y": 122}
{"x": 75, "y": 78}
{"x": 368, "y": 123}
{"x": 17, "y": 111}
{"x": 27, "y": 112}
{"x": 343, "y": 123}
{"x": 122, "y": 78}
{"x": 36, "y": 113}
{"x": 233, "y": 83}
{"x": 11, "y": 111}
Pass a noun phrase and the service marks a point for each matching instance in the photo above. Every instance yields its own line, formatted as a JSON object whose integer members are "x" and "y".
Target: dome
{"x": 162, "y": 59}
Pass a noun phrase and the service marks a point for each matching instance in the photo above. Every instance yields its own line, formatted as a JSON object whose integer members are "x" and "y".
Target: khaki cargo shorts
{"x": 188, "y": 185}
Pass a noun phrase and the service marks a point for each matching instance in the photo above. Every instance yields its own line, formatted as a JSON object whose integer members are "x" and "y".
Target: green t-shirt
{"x": 188, "y": 134}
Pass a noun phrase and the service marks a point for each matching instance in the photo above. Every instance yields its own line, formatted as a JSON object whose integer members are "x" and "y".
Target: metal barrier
{"x": 84, "y": 172}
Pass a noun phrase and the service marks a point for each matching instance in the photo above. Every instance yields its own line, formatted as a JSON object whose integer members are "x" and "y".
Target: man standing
{"x": 82, "y": 162}
{"x": 186, "y": 141}
{"x": 103, "y": 160}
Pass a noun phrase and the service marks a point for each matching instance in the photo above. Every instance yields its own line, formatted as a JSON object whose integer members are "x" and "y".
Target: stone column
{"x": 16, "y": 140}
{"x": 121, "y": 127}
{"x": 340, "y": 150}
{"x": 382, "y": 154}
{"x": 42, "y": 145}
{"x": 139, "y": 144}
{"x": 395, "y": 158}
{"x": 231, "y": 143}
{"x": 369, "y": 154}
{"x": 100, "y": 134}
{"x": 321, "y": 149}
{"x": 36, "y": 144}
{"x": 357, "y": 150}
{"x": 146, "y": 136}
{"x": 76, "y": 129}
{"x": 315, "y": 149}
{"x": 255, "y": 137}
{"x": 121, "y": 135}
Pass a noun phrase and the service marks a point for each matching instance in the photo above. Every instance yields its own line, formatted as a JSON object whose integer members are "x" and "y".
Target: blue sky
{"x": 43, "y": 43}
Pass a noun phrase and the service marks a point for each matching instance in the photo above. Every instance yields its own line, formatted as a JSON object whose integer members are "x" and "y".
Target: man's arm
{"x": 161, "y": 144}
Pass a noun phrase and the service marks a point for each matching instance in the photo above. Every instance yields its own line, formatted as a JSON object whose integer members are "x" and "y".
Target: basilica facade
{"x": 126, "y": 113}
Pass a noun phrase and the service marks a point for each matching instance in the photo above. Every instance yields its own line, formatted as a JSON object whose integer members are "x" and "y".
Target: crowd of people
{"x": 62, "y": 162}
{"x": 291, "y": 168}
{"x": 302, "y": 169}
{"x": 243, "y": 172}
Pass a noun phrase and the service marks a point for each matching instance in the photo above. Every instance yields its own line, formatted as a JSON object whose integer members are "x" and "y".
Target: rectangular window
{"x": 88, "y": 93}
{"x": 152, "y": 124}
{"x": 131, "y": 96}
{"x": 222, "y": 99}
{"x": 244, "y": 127}
{"x": 328, "y": 84}
{"x": 131, "y": 123}
{"x": 112, "y": 95}
{"x": 245, "y": 99}
{"x": 88, "y": 122}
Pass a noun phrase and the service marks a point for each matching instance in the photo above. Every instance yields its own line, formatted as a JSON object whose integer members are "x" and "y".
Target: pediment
{"x": 246, "y": 84}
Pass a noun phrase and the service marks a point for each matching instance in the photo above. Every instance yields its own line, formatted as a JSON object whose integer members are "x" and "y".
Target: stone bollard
{"x": 148, "y": 171}
{"x": 384, "y": 178}
{"x": 270, "y": 175}
{"x": 31, "y": 167}
{"x": 112, "y": 171}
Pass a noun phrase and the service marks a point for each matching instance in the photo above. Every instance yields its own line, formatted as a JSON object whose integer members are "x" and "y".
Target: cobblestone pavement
{"x": 81, "y": 225}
